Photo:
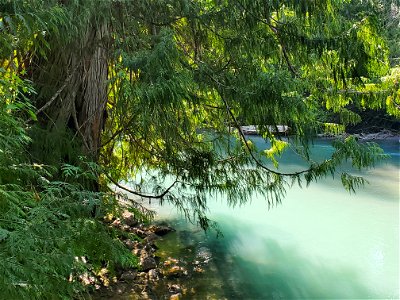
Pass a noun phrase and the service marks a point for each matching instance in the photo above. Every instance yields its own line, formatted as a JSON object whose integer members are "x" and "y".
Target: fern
{"x": 46, "y": 221}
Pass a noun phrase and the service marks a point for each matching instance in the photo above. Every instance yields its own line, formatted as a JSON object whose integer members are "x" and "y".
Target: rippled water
{"x": 321, "y": 242}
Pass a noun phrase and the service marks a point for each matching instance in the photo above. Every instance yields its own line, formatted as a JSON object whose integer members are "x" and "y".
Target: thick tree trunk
{"x": 72, "y": 88}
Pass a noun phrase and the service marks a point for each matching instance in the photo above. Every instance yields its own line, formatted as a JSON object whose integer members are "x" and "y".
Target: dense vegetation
{"x": 100, "y": 92}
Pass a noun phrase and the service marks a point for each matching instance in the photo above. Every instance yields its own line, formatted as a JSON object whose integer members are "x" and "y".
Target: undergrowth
{"x": 52, "y": 229}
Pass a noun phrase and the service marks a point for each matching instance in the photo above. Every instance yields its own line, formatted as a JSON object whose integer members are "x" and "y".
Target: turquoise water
{"x": 320, "y": 243}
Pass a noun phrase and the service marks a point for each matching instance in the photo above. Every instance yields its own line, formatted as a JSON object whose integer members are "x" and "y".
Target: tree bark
{"x": 72, "y": 85}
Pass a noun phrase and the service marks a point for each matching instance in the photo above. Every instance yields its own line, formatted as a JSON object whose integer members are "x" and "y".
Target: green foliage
{"x": 195, "y": 71}
{"x": 183, "y": 76}
{"x": 46, "y": 224}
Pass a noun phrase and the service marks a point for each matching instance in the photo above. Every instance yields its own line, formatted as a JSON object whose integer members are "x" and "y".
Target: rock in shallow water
{"x": 129, "y": 275}
{"x": 151, "y": 238}
{"x": 203, "y": 255}
{"x": 147, "y": 263}
{"x": 175, "y": 271}
{"x": 160, "y": 230}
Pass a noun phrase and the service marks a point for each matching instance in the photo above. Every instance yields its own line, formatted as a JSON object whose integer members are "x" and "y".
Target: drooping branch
{"x": 117, "y": 132}
{"x": 250, "y": 151}
{"x": 284, "y": 51}
{"x": 139, "y": 194}
{"x": 276, "y": 33}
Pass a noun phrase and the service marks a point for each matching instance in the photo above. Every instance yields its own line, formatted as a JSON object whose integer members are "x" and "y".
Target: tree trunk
{"x": 72, "y": 88}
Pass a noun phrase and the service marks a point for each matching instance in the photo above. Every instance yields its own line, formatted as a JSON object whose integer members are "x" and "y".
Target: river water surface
{"x": 321, "y": 242}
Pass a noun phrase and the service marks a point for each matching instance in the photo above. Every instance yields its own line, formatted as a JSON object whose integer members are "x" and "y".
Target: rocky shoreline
{"x": 155, "y": 278}
{"x": 381, "y": 135}
{"x": 368, "y": 136}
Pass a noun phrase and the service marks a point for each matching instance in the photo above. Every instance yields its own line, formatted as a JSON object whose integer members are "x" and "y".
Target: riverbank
{"x": 156, "y": 277}
{"x": 368, "y": 136}
{"x": 381, "y": 135}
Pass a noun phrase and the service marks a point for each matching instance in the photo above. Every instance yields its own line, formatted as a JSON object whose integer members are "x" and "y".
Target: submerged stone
{"x": 175, "y": 271}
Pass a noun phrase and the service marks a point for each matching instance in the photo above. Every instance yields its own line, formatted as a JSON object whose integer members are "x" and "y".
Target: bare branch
{"x": 58, "y": 92}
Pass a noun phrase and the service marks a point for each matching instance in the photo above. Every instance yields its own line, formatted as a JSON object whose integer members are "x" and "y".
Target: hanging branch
{"x": 117, "y": 132}
{"x": 139, "y": 194}
{"x": 284, "y": 51}
{"x": 276, "y": 32}
{"x": 243, "y": 137}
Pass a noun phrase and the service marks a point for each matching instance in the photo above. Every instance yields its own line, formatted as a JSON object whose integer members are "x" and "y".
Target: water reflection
{"x": 273, "y": 270}
{"x": 320, "y": 243}
{"x": 245, "y": 266}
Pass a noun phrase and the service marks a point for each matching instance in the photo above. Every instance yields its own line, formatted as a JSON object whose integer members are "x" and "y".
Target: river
{"x": 321, "y": 242}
